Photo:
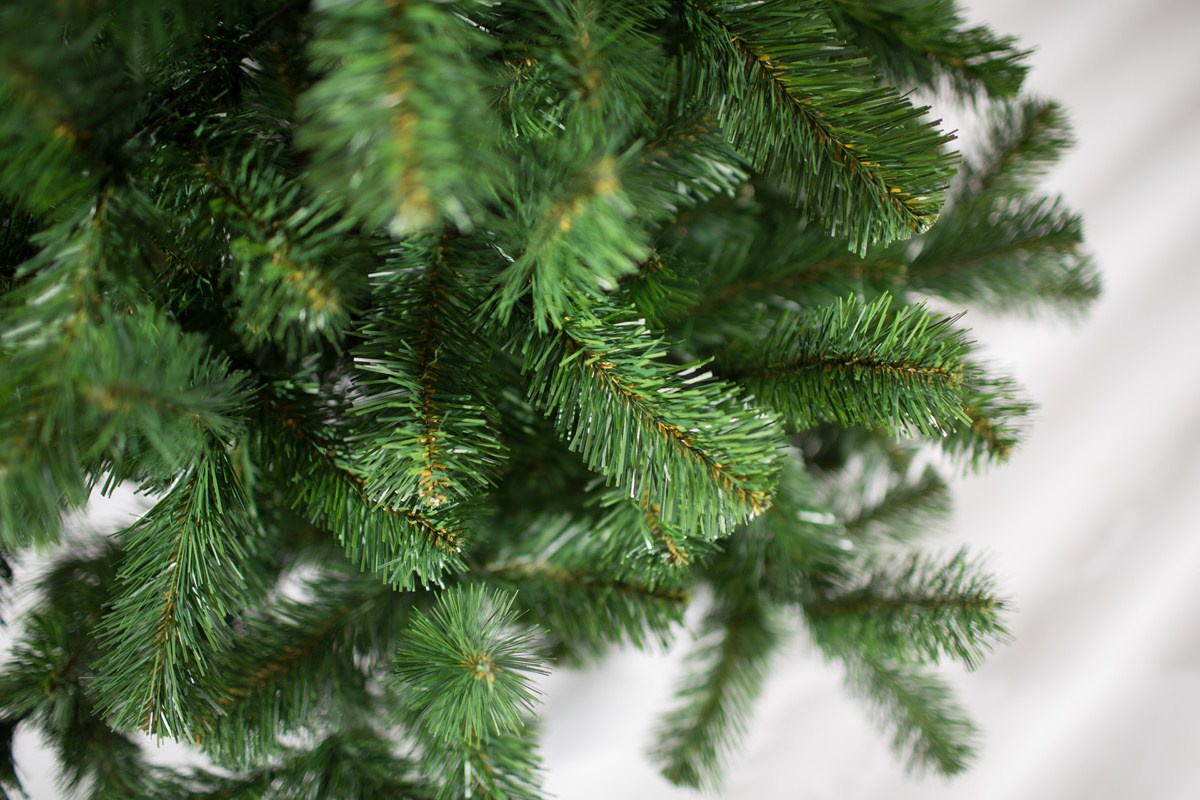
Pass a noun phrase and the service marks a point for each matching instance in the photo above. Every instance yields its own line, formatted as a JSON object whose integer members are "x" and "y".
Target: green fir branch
{"x": 796, "y": 550}
{"x": 355, "y": 764}
{"x": 928, "y": 729}
{"x": 781, "y": 268}
{"x": 595, "y": 69}
{"x": 650, "y": 545}
{"x": 425, "y": 433}
{"x": 615, "y": 538}
{"x": 402, "y": 308}
{"x": 998, "y": 412}
{"x": 662, "y": 291}
{"x": 464, "y": 672}
{"x": 910, "y": 507}
{"x": 90, "y": 385}
{"x": 303, "y": 665}
{"x": 183, "y": 579}
{"x": 296, "y": 267}
{"x": 1025, "y": 138}
{"x": 926, "y": 43}
{"x": 687, "y": 164}
{"x": 574, "y": 242}
{"x": 44, "y": 140}
{"x": 874, "y": 169}
{"x": 715, "y": 704}
{"x": 858, "y": 363}
{"x": 1000, "y": 245}
{"x": 505, "y": 767}
{"x": 586, "y": 609}
{"x": 1023, "y": 257}
{"x": 542, "y": 477}
{"x": 915, "y": 610}
{"x": 398, "y": 122}
{"x": 403, "y": 546}
{"x": 46, "y": 684}
{"x": 668, "y": 433}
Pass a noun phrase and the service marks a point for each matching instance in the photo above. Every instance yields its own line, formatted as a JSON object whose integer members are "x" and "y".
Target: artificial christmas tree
{"x": 458, "y": 341}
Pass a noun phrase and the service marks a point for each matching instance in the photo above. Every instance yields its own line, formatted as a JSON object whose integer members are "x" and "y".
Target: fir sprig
{"x": 714, "y": 705}
{"x": 702, "y": 454}
{"x": 577, "y": 243}
{"x": 398, "y": 122}
{"x": 858, "y": 363}
{"x": 764, "y": 264}
{"x": 425, "y": 433}
{"x": 184, "y": 580}
{"x": 1002, "y": 245}
{"x": 45, "y": 680}
{"x": 295, "y": 265}
{"x": 355, "y": 763}
{"x": 909, "y": 508}
{"x": 1025, "y": 138}
{"x": 874, "y": 168}
{"x": 404, "y": 546}
{"x": 928, "y": 729}
{"x": 301, "y": 665}
{"x": 91, "y": 383}
{"x": 464, "y": 671}
{"x": 926, "y": 43}
{"x": 998, "y": 411}
{"x": 559, "y": 581}
{"x": 918, "y": 610}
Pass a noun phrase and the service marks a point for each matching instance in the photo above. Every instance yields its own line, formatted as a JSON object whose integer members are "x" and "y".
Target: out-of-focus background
{"x": 1093, "y": 527}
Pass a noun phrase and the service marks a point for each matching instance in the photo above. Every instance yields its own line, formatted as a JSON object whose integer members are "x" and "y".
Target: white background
{"x": 1093, "y": 527}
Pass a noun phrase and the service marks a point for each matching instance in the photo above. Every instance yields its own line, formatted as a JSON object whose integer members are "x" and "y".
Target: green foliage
{"x": 806, "y": 110}
{"x": 857, "y": 363}
{"x": 296, "y": 268}
{"x": 925, "y": 43}
{"x": 185, "y": 576}
{"x": 997, "y": 409}
{"x": 506, "y": 766}
{"x": 577, "y": 243}
{"x": 301, "y": 663}
{"x": 357, "y": 765}
{"x": 397, "y": 122}
{"x": 1001, "y": 245}
{"x": 465, "y": 673}
{"x": 661, "y": 422}
{"x": 45, "y": 681}
{"x": 919, "y": 610}
{"x": 929, "y": 731}
{"x": 779, "y": 265}
{"x": 8, "y": 767}
{"x": 89, "y": 385}
{"x": 792, "y": 551}
{"x": 466, "y": 667}
{"x": 910, "y": 505}
{"x": 714, "y": 704}
{"x": 453, "y": 341}
{"x": 438, "y": 424}
{"x": 595, "y": 583}
{"x": 402, "y": 546}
